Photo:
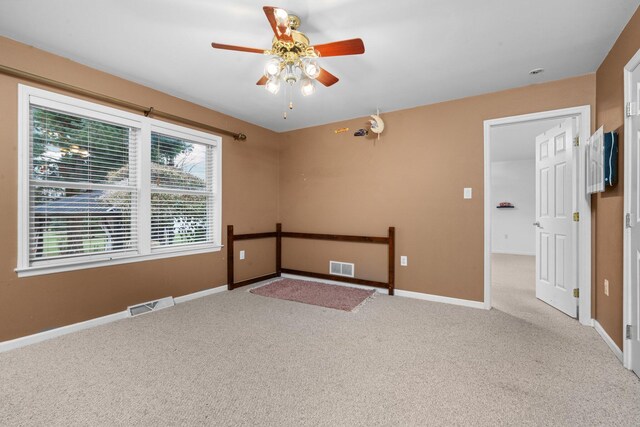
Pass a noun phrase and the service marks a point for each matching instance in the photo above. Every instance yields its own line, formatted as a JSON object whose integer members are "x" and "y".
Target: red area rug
{"x": 314, "y": 293}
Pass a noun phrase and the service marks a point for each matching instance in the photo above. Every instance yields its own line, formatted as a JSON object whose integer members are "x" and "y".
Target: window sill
{"x": 114, "y": 260}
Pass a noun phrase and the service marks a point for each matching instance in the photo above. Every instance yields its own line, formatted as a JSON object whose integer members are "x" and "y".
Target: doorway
{"x": 521, "y": 234}
{"x": 513, "y": 229}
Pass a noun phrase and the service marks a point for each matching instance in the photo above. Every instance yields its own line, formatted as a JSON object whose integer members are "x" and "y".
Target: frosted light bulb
{"x": 308, "y": 87}
{"x": 272, "y": 68}
{"x": 273, "y": 85}
{"x": 311, "y": 69}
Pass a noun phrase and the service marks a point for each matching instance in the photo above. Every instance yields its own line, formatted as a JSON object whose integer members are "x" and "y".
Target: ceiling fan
{"x": 293, "y": 57}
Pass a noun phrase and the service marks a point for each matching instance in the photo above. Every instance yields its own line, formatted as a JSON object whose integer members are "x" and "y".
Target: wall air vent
{"x": 341, "y": 268}
{"x": 148, "y": 307}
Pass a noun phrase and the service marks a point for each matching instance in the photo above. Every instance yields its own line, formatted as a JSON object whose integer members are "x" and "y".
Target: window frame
{"x": 28, "y": 96}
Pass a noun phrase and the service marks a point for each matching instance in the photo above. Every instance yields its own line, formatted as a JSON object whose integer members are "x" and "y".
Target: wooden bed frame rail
{"x": 279, "y": 235}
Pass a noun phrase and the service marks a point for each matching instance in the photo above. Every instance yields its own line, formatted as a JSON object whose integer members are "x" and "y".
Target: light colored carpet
{"x": 304, "y": 291}
{"x": 240, "y": 359}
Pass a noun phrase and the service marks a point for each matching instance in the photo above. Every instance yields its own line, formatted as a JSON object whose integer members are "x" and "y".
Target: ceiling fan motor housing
{"x": 292, "y": 51}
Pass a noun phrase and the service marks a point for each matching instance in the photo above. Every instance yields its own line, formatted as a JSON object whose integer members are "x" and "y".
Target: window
{"x": 100, "y": 186}
{"x": 182, "y": 195}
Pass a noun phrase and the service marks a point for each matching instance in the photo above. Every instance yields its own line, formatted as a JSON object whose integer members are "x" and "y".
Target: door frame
{"x": 626, "y": 258}
{"x": 582, "y": 229}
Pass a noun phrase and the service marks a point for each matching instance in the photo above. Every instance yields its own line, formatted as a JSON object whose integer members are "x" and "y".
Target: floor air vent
{"x": 148, "y": 307}
{"x": 341, "y": 268}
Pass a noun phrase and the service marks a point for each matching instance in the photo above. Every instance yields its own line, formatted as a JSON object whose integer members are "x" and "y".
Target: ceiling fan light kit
{"x": 311, "y": 68}
{"x": 272, "y": 68}
{"x": 307, "y": 87}
{"x": 294, "y": 59}
{"x": 273, "y": 86}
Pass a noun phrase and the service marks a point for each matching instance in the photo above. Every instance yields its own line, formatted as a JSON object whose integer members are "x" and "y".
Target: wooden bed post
{"x": 392, "y": 260}
{"x": 279, "y": 249}
{"x": 230, "y": 257}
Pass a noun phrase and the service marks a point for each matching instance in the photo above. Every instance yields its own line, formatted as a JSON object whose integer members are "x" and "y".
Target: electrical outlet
{"x": 468, "y": 192}
{"x": 403, "y": 260}
{"x": 241, "y": 254}
{"x": 606, "y": 287}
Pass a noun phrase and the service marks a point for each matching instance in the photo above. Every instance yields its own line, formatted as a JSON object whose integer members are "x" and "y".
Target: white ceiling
{"x": 517, "y": 142}
{"x": 417, "y": 52}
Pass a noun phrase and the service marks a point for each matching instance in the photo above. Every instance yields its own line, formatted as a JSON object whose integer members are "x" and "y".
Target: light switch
{"x": 403, "y": 260}
{"x": 467, "y": 193}
{"x": 241, "y": 254}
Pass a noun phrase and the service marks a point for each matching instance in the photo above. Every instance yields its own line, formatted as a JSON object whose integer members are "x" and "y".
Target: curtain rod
{"x": 147, "y": 111}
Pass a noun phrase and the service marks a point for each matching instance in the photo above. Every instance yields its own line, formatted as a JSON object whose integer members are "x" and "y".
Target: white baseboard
{"x": 200, "y": 294}
{"x": 63, "y": 330}
{"x": 438, "y": 298}
{"x": 75, "y": 327}
{"x": 513, "y": 253}
{"x": 605, "y": 336}
{"x": 398, "y": 292}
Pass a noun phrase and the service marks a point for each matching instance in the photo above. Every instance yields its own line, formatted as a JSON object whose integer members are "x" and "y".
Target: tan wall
{"x": 413, "y": 179}
{"x": 608, "y": 207}
{"x": 250, "y": 193}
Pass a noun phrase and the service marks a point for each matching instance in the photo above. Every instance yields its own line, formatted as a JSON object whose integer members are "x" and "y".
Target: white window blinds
{"x": 82, "y": 189}
{"x": 100, "y": 186}
{"x": 182, "y": 191}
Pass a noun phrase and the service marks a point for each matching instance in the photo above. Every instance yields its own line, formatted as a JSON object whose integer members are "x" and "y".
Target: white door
{"x": 555, "y": 264}
{"x": 632, "y": 299}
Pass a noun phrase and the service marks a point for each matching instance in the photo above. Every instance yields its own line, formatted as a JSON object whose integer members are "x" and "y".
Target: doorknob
{"x": 537, "y": 224}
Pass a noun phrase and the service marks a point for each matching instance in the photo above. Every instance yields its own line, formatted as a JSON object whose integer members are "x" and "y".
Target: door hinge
{"x": 627, "y": 220}
{"x": 576, "y": 293}
{"x": 576, "y": 216}
{"x": 632, "y": 109}
{"x": 628, "y": 332}
{"x": 576, "y": 141}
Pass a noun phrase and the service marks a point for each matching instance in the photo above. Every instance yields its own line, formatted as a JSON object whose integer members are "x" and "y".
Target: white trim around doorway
{"x": 583, "y": 200}
{"x": 626, "y": 257}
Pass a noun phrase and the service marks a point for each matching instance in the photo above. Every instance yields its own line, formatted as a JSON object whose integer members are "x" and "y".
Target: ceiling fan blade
{"x": 326, "y": 78}
{"x": 238, "y": 48}
{"x": 279, "y": 20}
{"x": 344, "y": 47}
{"x": 262, "y": 81}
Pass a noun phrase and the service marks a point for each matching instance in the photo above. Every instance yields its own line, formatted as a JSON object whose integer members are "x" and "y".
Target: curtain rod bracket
{"x": 240, "y": 137}
{"x": 148, "y": 112}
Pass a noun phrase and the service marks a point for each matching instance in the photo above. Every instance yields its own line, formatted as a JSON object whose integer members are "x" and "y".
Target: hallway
{"x": 514, "y": 292}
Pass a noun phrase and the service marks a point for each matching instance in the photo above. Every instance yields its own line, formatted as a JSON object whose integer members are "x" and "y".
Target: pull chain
{"x": 291, "y": 98}
{"x": 288, "y": 89}
{"x": 284, "y": 110}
